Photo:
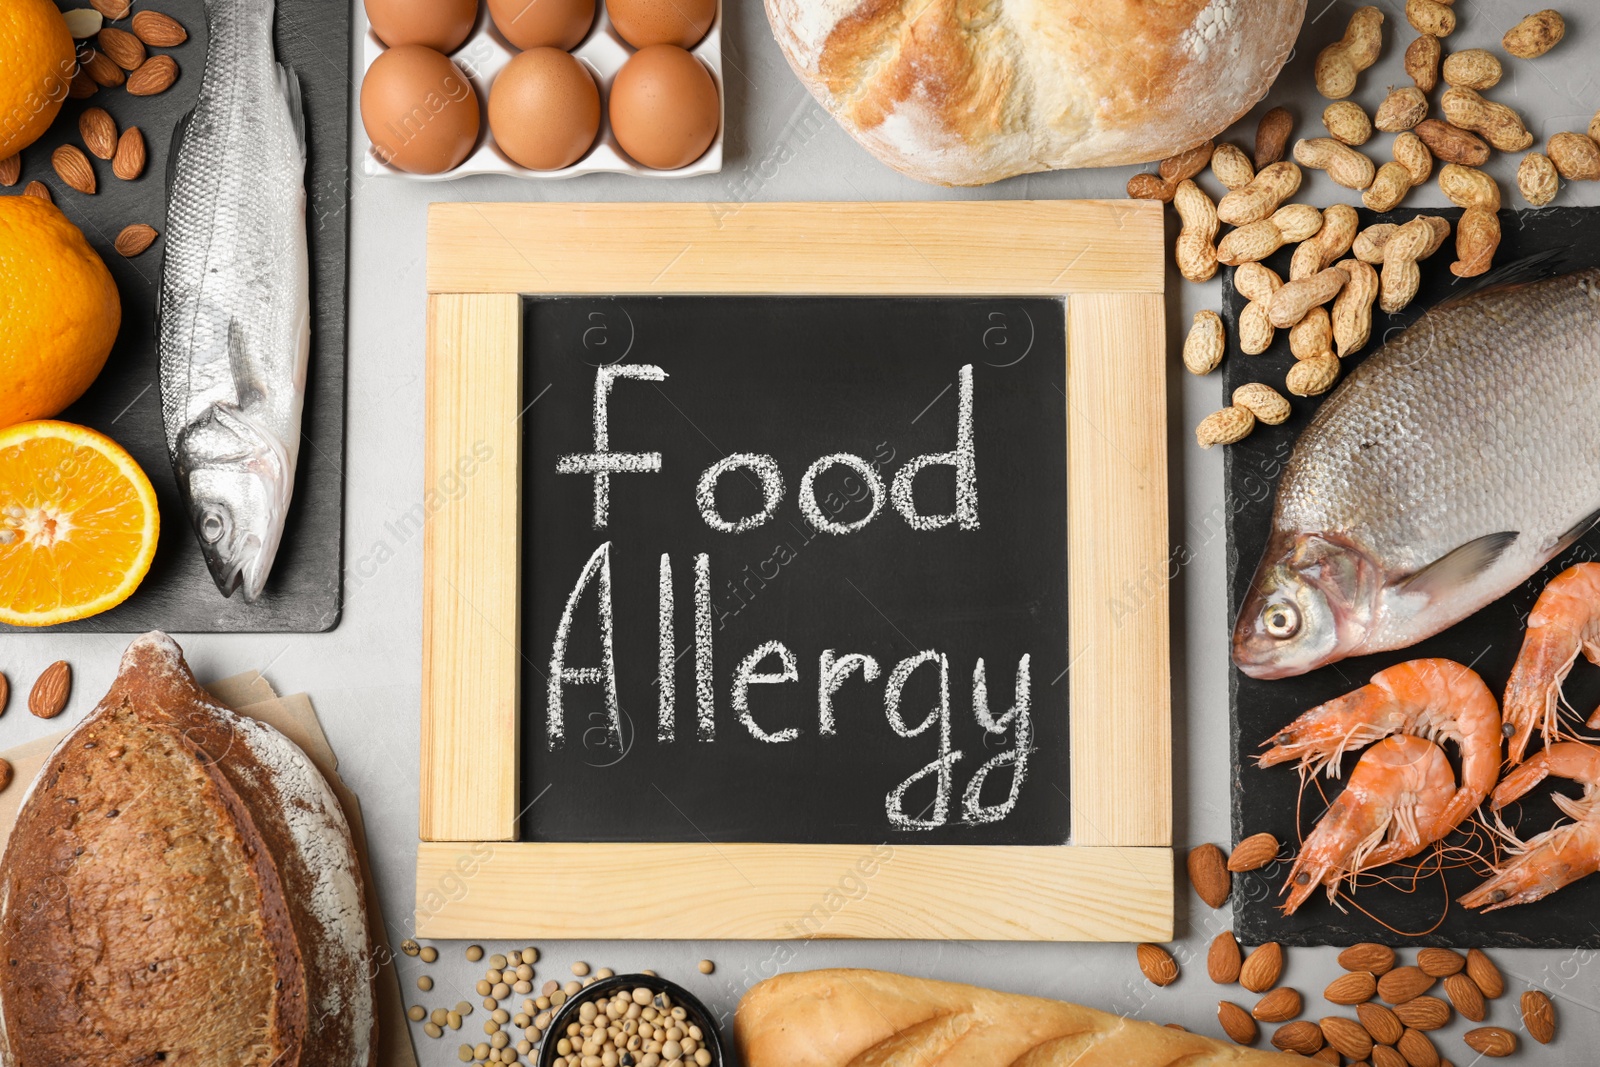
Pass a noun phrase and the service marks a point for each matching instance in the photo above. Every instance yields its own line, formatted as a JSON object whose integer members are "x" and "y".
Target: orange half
{"x": 78, "y": 523}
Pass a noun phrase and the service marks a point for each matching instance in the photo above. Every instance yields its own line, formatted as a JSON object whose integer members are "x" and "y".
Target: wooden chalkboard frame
{"x": 1103, "y": 259}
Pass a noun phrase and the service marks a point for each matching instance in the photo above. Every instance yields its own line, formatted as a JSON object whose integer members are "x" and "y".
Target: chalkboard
{"x": 1265, "y": 799}
{"x": 303, "y": 594}
{"x": 792, "y": 547}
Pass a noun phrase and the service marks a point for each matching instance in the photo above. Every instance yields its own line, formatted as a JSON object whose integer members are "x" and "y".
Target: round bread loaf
{"x": 964, "y": 93}
{"x": 181, "y": 887}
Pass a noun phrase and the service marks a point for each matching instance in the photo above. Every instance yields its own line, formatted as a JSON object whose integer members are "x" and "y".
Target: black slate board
{"x": 797, "y": 379}
{"x": 1264, "y": 799}
{"x": 178, "y": 595}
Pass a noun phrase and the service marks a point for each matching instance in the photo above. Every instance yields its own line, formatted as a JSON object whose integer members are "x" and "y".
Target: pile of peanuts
{"x": 511, "y": 974}
{"x": 1338, "y": 271}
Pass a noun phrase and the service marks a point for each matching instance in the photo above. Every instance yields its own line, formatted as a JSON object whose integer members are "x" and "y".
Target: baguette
{"x": 860, "y": 1018}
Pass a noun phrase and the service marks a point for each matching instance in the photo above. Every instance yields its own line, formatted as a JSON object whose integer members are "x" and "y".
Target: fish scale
{"x": 1482, "y": 419}
{"x": 233, "y": 322}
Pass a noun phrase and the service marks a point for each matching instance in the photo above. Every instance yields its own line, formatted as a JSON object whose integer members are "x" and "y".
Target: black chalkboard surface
{"x": 1265, "y": 799}
{"x": 698, "y": 381}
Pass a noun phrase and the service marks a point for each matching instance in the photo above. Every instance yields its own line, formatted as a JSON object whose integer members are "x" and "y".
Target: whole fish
{"x": 1449, "y": 467}
{"x": 234, "y": 321}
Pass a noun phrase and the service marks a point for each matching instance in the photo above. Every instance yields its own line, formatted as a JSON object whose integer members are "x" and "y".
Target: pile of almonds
{"x": 1337, "y": 273}
{"x": 1393, "y": 1033}
{"x": 110, "y": 57}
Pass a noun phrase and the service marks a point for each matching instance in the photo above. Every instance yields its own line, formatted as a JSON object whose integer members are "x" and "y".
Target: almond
{"x": 1440, "y": 962}
{"x": 10, "y": 170}
{"x": 1384, "y": 1025}
{"x": 1403, "y": 984}
{"x": 1208, "y": 873}
{"x": 1253, "y": 853}
{"x": 112, "y": 9}
{"x": 1417, "y": 1049}
{"x": 1156, "y": 962}
{"x": 1491, "y": 1040}
{"x": 128, "y": 163}
{"x": 49, "y": 696}
{"x": 5, "y": 774}
{"x": 1236, "y": 1022}
{"x": 72, "y": 166}
{"x": 1222, "y": 961}
{"x": 99, "y": 131}
{"x": 82, "y": 86}
{"x": 138, "y": 237}
{"x": 83, "y": 22}
{"x": 40, "y": 190}
{"x": 1539, "y": 1016}
{"x": 1374, "y": 959}
{"x": 1262, "y": 968}
{"x": 1387, "y": 1057}
{"x": 101, "y": 70}
{"x": 124, "y": 49}
{"x": 5, "y": 693}
{"x": 1483, "y": 971}
{"x": 1423, "y": 1013}
{"x": 1356, "y": 987}
{"x": 158, "y": 30}
{"x": 1278, "y": 1006}
{"x": 1466, "y": 996}
{"x": 1302, "y": 1037}
{"x": 1327, "y": 1055}
{"x": 155, "y": 76}
{"x": 1349, "y": 1037}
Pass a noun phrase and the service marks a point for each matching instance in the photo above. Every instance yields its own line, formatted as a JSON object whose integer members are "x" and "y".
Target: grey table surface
{"x": 364, "y": 676}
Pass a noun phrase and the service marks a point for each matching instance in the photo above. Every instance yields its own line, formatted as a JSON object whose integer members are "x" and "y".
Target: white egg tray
{"x": 603, "y": 51}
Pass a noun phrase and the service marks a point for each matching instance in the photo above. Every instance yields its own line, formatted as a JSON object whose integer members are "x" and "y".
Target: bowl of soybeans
{"x": 632, "y": 1020}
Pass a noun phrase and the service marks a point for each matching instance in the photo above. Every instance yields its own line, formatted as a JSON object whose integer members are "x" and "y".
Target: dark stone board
{"x": 796, "y": 379}
{"x": 1265, "y": 799}
{"x": 303, "y": 593}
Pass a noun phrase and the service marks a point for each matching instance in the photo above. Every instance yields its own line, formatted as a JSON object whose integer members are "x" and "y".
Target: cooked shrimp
{"x": 1437, "y": 699}
{"x": 1560, "y": 855}
{"x": 1565, "y": 620}
{"x": 1396, "y": 804}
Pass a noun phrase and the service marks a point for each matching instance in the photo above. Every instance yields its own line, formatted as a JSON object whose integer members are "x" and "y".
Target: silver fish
{"x": 234, "y": 321}
{"x": 1447, "y": 469}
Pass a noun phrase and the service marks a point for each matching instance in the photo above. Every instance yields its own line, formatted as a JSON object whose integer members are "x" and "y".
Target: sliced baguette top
{"x": 860, "y": 1018}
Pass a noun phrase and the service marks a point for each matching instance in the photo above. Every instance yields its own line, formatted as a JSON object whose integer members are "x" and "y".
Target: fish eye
{"x": 1280, "y": 620}
{"x": 212, "y": 527}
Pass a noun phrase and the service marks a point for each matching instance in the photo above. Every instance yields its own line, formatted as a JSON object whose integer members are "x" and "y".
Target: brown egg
{"x": 664, "y": 107}
{"x": 419, "y": 110}
{"x": 643, "y": 23}
{"x": 543, "y": 23}
{"x": 441, "y": 24}
{"x": 544, "y": 109}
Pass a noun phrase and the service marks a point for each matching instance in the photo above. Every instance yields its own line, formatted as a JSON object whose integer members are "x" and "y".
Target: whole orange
{"x": 59, "y": 310}
{"x": 37, "y": 61}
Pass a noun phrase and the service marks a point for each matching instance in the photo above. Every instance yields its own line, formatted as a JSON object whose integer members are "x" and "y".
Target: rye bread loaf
{"x": 858, "y": 1018}
{"x": 181, "y": 887}
{"x": 972, "y": 92}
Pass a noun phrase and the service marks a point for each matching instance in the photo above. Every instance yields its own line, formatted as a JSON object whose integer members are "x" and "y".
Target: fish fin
{"x": 1529, "y": 268}
{"x": 1583, "y": 526}
{"x": 289, "y": 84}
{"x": 179, "y": 130}
{"x": 1460, "y": 565}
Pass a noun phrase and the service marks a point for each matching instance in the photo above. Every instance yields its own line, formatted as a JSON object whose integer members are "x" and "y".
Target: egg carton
{"x": 486, "y": 53}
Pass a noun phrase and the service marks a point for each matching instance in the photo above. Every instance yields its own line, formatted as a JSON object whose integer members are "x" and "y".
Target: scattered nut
{"x": 1416, "y": 1048}
{"x": 83, "y": 22}
{"x": 1223, "y": 959}
{"x": 1303, "y": 1037}
{"x": 1538, "y": 1014}
{"x": 1500, "y": 125}
{"x": 1388, "y": 188}
{"x": 158, "y": 30}
{"x": 1576, "y": 157}
{"x": 1414, "y": 156}
{"x": 157, "y": 75}
{"x": 39, "y": 190}
{"x": 1350, "y": 989}
{"x": 1271, "y": 407}
{"x": 10, "y": 170}
{"x": 1263, "y": 967}
{"x": 99, "y": 132}
{"x": 1467, "y": 998}
{"x": 134, "y": 239}
{"x": 1208, "y": 873}
{"x": 1469, "y": 187}
{"x": 1236, "y": 1023}
{"x": 1283, "y": 1003}
{"x": 1401, "y": 110}
{"x": 1206, "y": 343}
{"x": 48, "y": 697}
{"x": 73, "y": 167}
{"x": 1339, "y": 63}
{"x": 128, "y": 163}
{"x": 1344, "y": 164}
{"x": 1348, "y": 122}
{"x": 1256, "y": 284}
{"x": 1232, "y": 167}
{"x": 1346, "y": 1035}
{"x": 1157, "y": 964}
{"x": 101, "y": 70}
{"x": 1339, "y": 225}
{"x": 1431, "y": 17}
{"x": 1481, "y": 969}
{"x": 1225, "y": 427}
{"x": 1312, "y": 335}
{"x": 1147, "y": 186}
{"x": 1423, "y": 1013}
{"x": 122, "y": 47}
{"x": 1352, "y": 310}
{"x": 1477, "y": 238}
{"x": 1195, "y": 250}
{"x": 1272, "y": 136}
{"x": 1452, "y": 144}
{"x": 1535, "y": 35}
{"x": 82, "y": 85}
{"x": 1370, "y": 957}
{"x": 1176, "y": 168}
{"x": 1494, "y": 1041}
{"x": 1422, "y": 62}
{"x": 1291, "y": 303}
{"x": 1475, "y": 68}
{"x": 1400, "y": 278}
{"x": 1440, "y": 962}
{"x": 1384, "y": 1025}
{"x": 1314, "y": 376}
{"x": 1271, "y": 186}
{"x": 1404, "y": 983}
{"x": 6, "y": 774}
{"x": 112, "y": 9}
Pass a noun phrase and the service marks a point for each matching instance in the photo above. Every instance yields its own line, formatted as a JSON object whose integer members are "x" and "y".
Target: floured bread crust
{"x": 181, "y": 886}
{"x": 964, "y": 92}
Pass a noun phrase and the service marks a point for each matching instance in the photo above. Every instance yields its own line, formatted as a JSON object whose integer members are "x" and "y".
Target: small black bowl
{"x": 603, "y": 990}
